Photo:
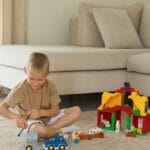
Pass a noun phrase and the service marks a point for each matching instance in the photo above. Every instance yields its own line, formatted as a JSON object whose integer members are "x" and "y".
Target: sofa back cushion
{"x": 88, "y": 34}
{"x": 116, "y": 28}
{"x": 145, "y": 27}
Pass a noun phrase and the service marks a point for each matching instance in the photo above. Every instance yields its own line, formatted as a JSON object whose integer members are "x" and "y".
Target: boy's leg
{"x": 44, "y": 131}
{"x": 71, "y": 115}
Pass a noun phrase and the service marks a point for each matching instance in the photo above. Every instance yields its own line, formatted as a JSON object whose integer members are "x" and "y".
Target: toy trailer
{"x": 31, "y": 139}
{"x": 83, "y": 136}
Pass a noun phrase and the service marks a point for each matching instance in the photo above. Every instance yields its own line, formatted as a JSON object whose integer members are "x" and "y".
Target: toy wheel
{"x": 29, "y": 147}
{"x": 51, "y": 147}
{"x": 61, "y": 147}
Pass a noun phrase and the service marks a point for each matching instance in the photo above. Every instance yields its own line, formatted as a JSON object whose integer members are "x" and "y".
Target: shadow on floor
{"x": 85, "y": 101}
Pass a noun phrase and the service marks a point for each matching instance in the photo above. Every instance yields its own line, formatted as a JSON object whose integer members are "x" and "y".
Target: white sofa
{"x": 74, "y": 69}
{"x": 138, "y": 72}
{"x": 85, "y": 66}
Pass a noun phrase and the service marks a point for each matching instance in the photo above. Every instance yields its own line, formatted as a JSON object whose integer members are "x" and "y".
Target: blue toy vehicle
{"x": 57, "y": 143}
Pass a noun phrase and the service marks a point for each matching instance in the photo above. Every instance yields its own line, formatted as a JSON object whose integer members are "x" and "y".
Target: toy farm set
{"x": 125, "y": 109}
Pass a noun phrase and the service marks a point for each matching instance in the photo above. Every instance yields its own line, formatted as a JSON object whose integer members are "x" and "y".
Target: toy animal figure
{"x": 117, "y": 126}
{"x": 93, "y": 133}
{"x": 106, "y": 123}
{"x": 75, "y": 137}
{"x": 95, "y": 130}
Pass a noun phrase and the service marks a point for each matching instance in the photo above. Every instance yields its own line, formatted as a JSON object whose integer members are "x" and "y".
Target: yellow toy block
{"x": 139, "y": 102}
{"x": 110, "y": 100}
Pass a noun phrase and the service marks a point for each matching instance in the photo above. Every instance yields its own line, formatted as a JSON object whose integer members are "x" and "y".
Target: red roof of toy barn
{"x": 126, "y": 89}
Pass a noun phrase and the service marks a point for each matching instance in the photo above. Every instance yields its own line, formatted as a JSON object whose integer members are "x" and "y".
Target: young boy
{"x": 37, "y": 101}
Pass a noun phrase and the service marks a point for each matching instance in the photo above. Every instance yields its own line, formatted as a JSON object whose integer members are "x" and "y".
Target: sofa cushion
{"x": 116, "y": 28}
{"x": 145, "y": 25}
{"x": 68, "y": 58}
{"x": 73, "y": 28}
{"x": 88, "y": 34}
{"x": 139, "y": 63}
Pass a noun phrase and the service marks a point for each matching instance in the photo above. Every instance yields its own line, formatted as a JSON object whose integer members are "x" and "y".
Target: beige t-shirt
{"x": 23, "y": 98}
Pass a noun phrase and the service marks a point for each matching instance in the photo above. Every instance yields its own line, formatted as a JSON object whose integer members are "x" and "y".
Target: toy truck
{"x": 56, "y": 143}
{"x": 31, "y": 140}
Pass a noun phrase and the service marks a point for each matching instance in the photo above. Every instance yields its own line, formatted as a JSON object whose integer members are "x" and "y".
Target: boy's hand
{"x": 21, "y": 122}
{"x": 34, "y": 114}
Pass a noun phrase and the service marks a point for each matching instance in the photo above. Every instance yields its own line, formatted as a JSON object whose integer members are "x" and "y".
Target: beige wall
{"x": 47, "y": 20}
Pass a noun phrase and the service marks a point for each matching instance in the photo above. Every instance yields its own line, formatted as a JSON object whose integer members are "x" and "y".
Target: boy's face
{"x": 35, "y": 78}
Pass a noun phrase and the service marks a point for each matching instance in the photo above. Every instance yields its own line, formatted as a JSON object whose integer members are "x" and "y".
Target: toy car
{"x": 56, "y": 143}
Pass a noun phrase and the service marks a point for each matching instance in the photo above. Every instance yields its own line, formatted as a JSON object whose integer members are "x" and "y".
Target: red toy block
{"x": 142, "y": 122}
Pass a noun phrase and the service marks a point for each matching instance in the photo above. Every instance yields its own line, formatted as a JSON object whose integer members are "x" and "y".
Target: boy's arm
{"x": 4, "y": 111}
{"x": 53, "y": 111}
{"x": 37, "y": 113}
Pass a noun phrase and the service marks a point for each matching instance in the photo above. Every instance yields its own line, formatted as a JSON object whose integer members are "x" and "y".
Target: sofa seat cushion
{"x": 68, "y": 58}
{"x": 139, "y": 63}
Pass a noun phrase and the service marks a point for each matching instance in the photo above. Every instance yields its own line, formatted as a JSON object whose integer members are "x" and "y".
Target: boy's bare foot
{"x": 70, "y": 129}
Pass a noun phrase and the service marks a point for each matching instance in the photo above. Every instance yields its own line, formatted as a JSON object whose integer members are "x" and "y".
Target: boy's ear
{"x": 48, "y": 73}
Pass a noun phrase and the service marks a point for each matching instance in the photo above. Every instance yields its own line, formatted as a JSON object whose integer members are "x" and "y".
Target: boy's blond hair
{"x": 38, "y": 61}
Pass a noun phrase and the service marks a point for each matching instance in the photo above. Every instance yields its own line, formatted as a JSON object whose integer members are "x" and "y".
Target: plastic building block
{"x": 110, "y": 100}
{"x": 139, "y": 102}
{"x": 128, "y": 121}
{"x": 58, "y": 142}
{"x": 89, "y": 136}
{"x": 142, "y": 122}
{"x": 130, "y": 134}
